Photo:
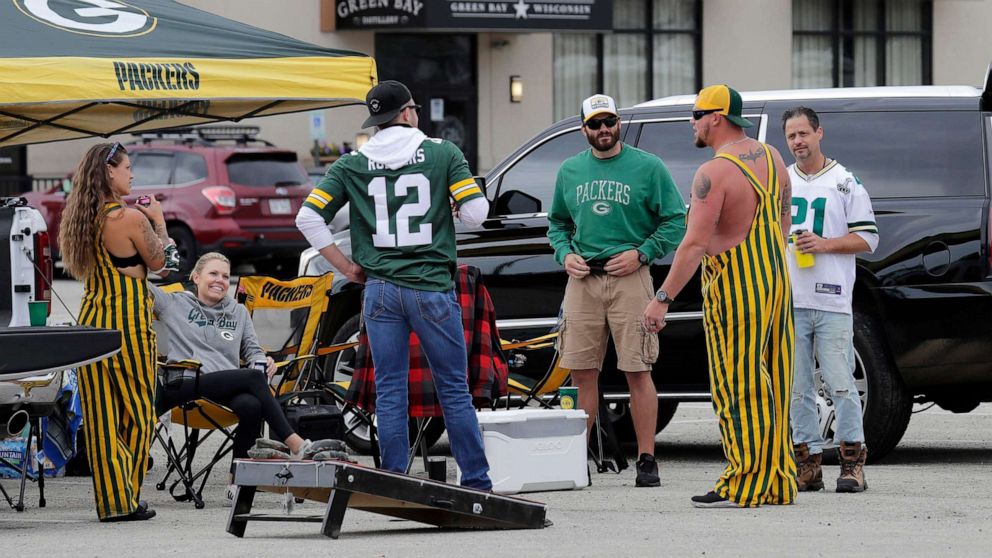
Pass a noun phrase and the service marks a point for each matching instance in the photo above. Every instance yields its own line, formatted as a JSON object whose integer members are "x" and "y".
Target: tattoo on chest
{"x": 701, "y": 187}
{"x": 752, "y": 155}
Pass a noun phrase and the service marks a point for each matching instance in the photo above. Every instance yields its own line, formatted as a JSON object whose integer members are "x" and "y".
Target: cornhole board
{"x": 342, "y": 485}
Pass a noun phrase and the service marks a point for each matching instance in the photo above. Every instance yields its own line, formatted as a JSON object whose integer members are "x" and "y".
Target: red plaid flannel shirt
{"x": 487, "y": 368}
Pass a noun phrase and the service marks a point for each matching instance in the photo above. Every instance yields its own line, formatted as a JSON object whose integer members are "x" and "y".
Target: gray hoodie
{"x": 219, "y": 336}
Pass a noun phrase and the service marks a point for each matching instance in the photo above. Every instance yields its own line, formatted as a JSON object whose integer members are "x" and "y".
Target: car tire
{"x": 186, "y": 246}
{"x": 341, "y": 368}
{"x": 890, "y": 404}
{"x": 623, "y": 425}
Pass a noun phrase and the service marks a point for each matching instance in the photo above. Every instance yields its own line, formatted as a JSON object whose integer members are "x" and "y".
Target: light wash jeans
{"x": 832, "y": 334}
{"x": 390, "y": 312}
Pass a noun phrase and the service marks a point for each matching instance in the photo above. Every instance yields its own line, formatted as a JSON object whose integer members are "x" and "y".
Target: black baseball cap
{"x": 385, "y": 101}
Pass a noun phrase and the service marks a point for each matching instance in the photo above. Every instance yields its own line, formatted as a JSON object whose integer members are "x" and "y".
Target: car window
{"x": 672, "y": 141}
{"x": 529, "y": 185}
{"x": 151, "y": 169}
{"x": 190, "y": 167}
{"x": 266, "y": 169}
{"x": 903, "y": 154}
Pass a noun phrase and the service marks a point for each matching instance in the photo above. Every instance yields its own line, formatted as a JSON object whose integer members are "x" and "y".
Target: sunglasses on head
{"x": 113, "y": 151}
{"x": 697, "y": 114}
{"x": 609, "y": 121}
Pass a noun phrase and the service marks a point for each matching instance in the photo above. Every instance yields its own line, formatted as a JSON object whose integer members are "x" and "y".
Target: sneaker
{"x": 647, "y": 471}
{"x": 852, "y": 467}
{"x": 712, "y": 500}
{"x": 140, "y": 514}
{"x": 809, "y": 475}
{"x": 229, "y": 496}
{"x": 305, "y": 452}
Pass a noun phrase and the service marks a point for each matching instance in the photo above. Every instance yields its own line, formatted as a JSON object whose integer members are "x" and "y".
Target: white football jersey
{"x": 830, "y": 204}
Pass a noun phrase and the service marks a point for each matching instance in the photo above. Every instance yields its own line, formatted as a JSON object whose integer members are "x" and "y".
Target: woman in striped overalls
{"x": 737, "y": 224}
{"x": 111, "y": 247}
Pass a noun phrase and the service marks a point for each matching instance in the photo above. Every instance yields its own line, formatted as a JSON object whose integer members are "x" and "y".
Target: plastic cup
{"x": 802, "y": 259}
{"x": 568, "y": 397}
{"x": 38, "y": 311}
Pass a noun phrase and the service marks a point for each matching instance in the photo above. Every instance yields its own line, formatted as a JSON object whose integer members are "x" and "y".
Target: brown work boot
{"x": 852, "y": 467}
{"x": 810, "y": 475}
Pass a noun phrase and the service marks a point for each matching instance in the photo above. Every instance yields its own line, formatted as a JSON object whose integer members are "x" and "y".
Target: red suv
{"x": 221, "y": 190}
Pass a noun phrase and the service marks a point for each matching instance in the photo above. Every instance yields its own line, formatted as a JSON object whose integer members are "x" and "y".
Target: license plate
{"x": 280, "y": 207}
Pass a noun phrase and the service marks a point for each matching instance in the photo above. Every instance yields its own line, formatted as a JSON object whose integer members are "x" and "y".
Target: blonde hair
{"x": 83, "y": 216}
{"x": 204, "y": 259}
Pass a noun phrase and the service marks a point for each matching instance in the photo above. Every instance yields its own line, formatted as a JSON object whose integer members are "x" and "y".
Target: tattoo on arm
{"x": 701, "y": 187}
{"x": 786, "y": 199}
{"x": 150, "y": 238}
{"x": 161, "y": 232}
{"x": 753, "y": 155}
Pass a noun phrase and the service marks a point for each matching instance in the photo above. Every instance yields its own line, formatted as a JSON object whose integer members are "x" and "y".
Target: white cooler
{"x": 532, "y": 450}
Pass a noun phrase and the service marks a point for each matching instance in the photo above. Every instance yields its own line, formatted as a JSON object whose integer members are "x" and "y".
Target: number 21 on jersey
{"x": 819, "y": 206}
{"x": 404, "y": 236}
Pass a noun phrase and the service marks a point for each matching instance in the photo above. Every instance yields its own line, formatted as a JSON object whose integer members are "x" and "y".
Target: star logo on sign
{"x": 521, "y": 9}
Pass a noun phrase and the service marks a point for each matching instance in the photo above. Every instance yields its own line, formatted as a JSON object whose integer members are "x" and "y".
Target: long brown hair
{"x": 82, "y": 217}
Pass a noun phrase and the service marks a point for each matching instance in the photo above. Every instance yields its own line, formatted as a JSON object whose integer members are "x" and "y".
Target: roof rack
{"x": 241, "y": 135}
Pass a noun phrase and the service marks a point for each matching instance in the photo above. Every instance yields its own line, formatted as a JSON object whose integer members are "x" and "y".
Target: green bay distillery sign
{"x": 508, "y": 15}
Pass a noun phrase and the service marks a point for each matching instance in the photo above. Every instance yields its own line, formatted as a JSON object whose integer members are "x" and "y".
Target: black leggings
{"x": 244, "y": 391}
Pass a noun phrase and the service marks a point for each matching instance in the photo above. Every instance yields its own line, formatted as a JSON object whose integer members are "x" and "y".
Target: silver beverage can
{"x": 260, "y": 365}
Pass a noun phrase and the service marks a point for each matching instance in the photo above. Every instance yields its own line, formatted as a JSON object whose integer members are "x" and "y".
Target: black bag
{"x": 316, "y": 421}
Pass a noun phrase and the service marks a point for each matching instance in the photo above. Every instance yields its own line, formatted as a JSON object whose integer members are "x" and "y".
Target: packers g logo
{"x": 602, "y": 208}
{"x": 103, "y": 18}
{"x": 227, "y": 335}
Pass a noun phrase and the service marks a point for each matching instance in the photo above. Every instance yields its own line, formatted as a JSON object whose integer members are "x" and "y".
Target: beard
{"x": 601, "y": 140}
{"x": 698, "y": 141}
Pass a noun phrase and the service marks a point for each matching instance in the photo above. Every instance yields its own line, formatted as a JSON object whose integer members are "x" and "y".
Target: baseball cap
{"x": 385, "y": 101}
{"x": 724, "y": 100}
{"x": 596, "y": 105}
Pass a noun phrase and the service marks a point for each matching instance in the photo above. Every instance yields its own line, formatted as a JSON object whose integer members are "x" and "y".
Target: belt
{"x": 596, "y": 266}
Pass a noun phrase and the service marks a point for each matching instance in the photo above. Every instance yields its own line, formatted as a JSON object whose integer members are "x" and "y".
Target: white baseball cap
{"x": 596, "y": 105}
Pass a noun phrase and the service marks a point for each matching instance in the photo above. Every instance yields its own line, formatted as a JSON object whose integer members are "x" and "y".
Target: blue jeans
{"x": 833, "y": 334}
{"x": 390, "y": 312}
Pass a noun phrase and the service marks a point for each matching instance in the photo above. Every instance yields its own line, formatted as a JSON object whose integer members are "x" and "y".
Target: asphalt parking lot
{"x": 929, "y": 497}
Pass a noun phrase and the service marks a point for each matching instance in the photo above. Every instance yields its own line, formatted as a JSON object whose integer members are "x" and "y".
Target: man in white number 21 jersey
{"x": 401, "y": 185}
{"x": 832, "y": 220}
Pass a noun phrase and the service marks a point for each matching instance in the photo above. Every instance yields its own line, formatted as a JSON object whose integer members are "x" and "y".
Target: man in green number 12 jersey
{"x": 401, "y": 186}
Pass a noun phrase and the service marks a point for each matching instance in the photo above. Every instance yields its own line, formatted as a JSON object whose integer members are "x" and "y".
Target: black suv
{"x": 921, "y": 300}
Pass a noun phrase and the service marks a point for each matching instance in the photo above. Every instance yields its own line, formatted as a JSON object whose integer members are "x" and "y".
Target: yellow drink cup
{"x": 802, "y": 259}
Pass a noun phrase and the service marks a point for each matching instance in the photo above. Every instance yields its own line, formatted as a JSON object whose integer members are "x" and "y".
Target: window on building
{"x": 654, "y": 51}
{"x": 848, "y": 43}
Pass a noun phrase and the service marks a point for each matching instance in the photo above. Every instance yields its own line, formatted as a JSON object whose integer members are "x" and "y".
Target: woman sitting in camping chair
{"x": 213, "y": 329}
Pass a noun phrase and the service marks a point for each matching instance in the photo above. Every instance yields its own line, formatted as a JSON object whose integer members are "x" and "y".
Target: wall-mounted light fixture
{"x": 360, "y": 139}
{"x": 516, "y": 89}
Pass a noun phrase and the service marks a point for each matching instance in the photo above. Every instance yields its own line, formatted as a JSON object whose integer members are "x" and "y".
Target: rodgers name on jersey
{"x": 401, "y": 223}
{"x": 830, "y": 204}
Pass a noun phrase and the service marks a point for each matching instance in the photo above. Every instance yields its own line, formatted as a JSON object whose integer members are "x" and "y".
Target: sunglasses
{"x": 609, "y": 121}
{"x": 113, "y": 151}
{"x": 698, "y": 114}
{"x": 414, "y": 107}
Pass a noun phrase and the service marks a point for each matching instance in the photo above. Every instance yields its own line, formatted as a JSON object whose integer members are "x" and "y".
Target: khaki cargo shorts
{"x": 600, "y": 305}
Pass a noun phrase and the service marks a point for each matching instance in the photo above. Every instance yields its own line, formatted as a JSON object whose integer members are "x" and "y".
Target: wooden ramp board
{"x": 342, "y": 485}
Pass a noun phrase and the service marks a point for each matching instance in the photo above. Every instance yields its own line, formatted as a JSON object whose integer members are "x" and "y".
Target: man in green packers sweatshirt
{"x": 615, "y": 210}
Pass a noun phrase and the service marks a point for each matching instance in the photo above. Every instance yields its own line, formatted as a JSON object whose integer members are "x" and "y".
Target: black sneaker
{"x": 712, "y": 500}
{"x": 647, "y": 471}
{"x": 140, "y": 514}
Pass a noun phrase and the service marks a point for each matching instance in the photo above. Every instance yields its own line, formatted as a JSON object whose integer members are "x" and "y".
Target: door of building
{"x": 441, "y": 72}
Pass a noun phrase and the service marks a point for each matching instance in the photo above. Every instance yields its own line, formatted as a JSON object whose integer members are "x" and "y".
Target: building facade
{"x": 491, "y": 74}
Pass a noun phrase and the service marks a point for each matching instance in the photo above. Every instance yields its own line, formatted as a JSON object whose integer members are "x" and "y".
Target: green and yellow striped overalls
{"x": 117, "y": 394}
{"x": 747, "y": 304}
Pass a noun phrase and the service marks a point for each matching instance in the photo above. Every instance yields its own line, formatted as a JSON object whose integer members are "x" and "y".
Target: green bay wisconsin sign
{"x": 508, "y": 15}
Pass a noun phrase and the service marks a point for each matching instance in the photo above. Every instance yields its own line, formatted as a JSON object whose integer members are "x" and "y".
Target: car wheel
{"x": 186, "y": 246}
{"x": 623, "y": 425}
{"x": 340, "y": 368}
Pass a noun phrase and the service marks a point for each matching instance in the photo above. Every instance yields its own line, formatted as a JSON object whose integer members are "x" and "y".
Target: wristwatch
{"x": 662, "y": 297}
{"x": 642, "y": 257}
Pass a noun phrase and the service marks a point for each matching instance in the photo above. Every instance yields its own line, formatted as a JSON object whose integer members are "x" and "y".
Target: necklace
{"x": 728, "y": 144}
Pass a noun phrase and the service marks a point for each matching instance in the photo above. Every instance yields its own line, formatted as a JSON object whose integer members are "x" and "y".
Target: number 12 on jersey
{"x": 404, "y": 236}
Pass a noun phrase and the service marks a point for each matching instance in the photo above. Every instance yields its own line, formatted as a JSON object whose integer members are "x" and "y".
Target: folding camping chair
{"x": 286, "y": 316}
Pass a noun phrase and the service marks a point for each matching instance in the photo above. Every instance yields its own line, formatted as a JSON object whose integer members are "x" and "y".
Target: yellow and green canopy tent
{"x": 78, "y": 68}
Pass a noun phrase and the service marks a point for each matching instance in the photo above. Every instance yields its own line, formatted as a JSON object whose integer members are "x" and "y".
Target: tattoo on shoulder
{"x": 752, "y": 155}
{"x": 701, "y": 187}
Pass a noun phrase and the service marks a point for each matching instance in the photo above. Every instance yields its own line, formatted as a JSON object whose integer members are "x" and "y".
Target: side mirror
{"x": 481, "y": 181}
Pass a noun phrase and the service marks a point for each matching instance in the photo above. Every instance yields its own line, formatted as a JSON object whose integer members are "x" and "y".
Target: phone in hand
{"x": 144, "y": 201}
